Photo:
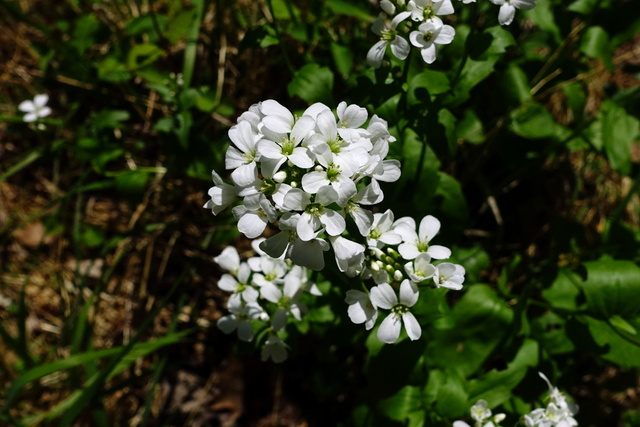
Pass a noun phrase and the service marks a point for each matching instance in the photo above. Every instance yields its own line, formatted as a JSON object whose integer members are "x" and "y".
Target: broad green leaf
{"x": 451, "y": 397}
{"x": 564, "y": 291}
{"x": 473, "y": 73}
{"x": 132, "y": 184}
{"x": 533, "y": 121}
{"x": 142, "y": 55}
{"x": 612, "y": 288}
{"x": 341, "y": 7}
{"x": 595, "y": 44}
{"x": 481, "y": 320}
{"x": 146, "y": 24}
{"x": 550, "y": 331}
{"x": 402, "y": 404}
{"x": 515, "y": 84}
{"x": 109, "y": 119}
{"x": 619, "y": 131}
{"x": 112, "y": 70}
{"x": 501, "y": 39}
{"x": 543, "y": 15}
{"x": 342, "y": 57}
{"x": 583, "y": 6}
{"x": 470, "y": 127}
{"x": 312, "y": 83}
{"x": 616, "y": 349}
{"x": 85, "y": 31}
{"x": 433, "y": 82}
{"x": 495, "y": 386}
{"x": 181, "y": 24}
{"x": 474, "y": 260}
{"x": 450, "y": 199}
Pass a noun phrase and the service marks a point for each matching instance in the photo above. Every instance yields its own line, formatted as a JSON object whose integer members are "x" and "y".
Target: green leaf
{"x": 313, "y": 84}
{"x": 619, "y": 131}
{"x": 112, "y": 70}
{"x": 452, "y": 398}
{"x": 109, "y": 119}
{"x": 342, "y": 57}
{"x": 340, "y": 7}
{"x": 544, "y": 16}
{"x": 451, "y": 200}
{"x": 481, "y": 320}
{"x": 495, "y": 386}
{"x": 533, "y": 121}
{"x": 433, "y": 82}
{"x": 403, "y": 403}
{"x": 515, "y": 85}
{"x": 470, "y": 128}
{"x": 616, "y": 349}
{"x": 142, "y": 55}
{"x": 564, "y": 291}
{"x": 595, "y": 44}
{"x": 181, "y": 24}
{"x": 501, "y": 39}
{"x": 132, "y": 184}
{"x": 612, "y": 288}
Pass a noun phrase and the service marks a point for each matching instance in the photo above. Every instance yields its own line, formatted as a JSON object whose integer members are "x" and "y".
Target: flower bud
{"x": 279, "y": 177}
{"x": 398, "y": 276}
{"x": 294, "y": 184}
{"x": 318, "y": 168}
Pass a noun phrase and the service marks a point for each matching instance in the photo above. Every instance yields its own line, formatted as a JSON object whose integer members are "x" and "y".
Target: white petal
{"x": 229, "y": 259}
{"x": 429, "y": 53}
{"x": 439, "y": 252}
{"x": 279, "y": 319}
{"x": 376, "y": 54}
{"x": 41, "y": 100}
{"x": 429, "y": 227}
{"x": 227, "y": 324}
{"x": 309, "y": 254}
{"x": 275, "y": 245}
{"x": 326, "y": 195}
{"x": 251, "y": 225}
{"x": 383, "y": 296}
{"x": 408, "y": 293}
{"x": 245, "y": 331}
{"x": 506, "y": 14}
{"x": 412, "y": 326}
{"x": 301, "y": 158}
{"x": 30, "y": 117}
{"x": 400, "y": 48}
{"x": 234, "y": 158}
{"x": 524, "y": 4}
{"x": 227, "y": 283}
{"x": 333, "y": 221}
{"x": 389, "y": 329}
{"x": 271, "y": 292}
{"x": 27, "y": 106}
{"x": 446, "y": 35}
{"x": 269, "y": 149}
{"x": 308, "y": 226}
{"x": 408, "y": 251}
{"x": 296, "y": 199}
{"x": 242, "y": 136}
{"x": 302, "y": 128}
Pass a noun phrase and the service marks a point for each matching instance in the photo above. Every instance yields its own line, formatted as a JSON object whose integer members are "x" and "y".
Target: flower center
{"x": 284, "y": 302}
{"x": 428, "y": 36}
{"x": 400, "y": 309}
{"x": 429, "y": 13}
{"x": 250, "y": 156}
{"x": 387, "y": 35}
{"x": 335, "y": 146}
{"x": 375, "y": 234}
{"x": 268, "y": 187}
{"x": 333, "y": 171}
{"x": 287, "y": 146}
{"x": 315, "y": 209}
{"x": 422, "y": 245}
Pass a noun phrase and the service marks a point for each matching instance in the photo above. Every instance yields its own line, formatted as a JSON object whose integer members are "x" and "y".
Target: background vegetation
{"x": 522, "y": 140}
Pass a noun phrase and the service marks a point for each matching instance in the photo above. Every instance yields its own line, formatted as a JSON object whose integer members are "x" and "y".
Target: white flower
{"x": 254, "y": 215}
{"x": 508, "y": 9}
{"x": 303, "y": 253}
{"x": 222, "y": 195}
{"x": 240, "y": 319}
{"x": 382, "y": 231}
{"x": 35, "y": 109}
{"x": 388, "y": 37}
{"x": 447, "y": 275}
{"x": 349, "y": 255}
{"x": 420, "y": 269}
{"x": 415, "y": 244}
{"x": 274, "y": 349}
{"x": 299, "y": 274}
{"x": 383, "y": 296}
{"x": 361, "y": 309}
{"x": 480, "y": 411}
{"x": 287, "y": 299}
{"x": 429, "y": 35}
{"x": 241, "y": 286}
{"x": 242, "y": 159}
{"x": 428, "y": 10}
{"x": 268, "y": 270}
{"x": 315, "y": 214}
{"x": 229, "y": 260}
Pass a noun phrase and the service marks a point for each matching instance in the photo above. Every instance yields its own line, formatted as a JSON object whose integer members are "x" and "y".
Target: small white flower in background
{"x": 428, "y": 10}
{"x": 508, "y": 9}
{"x": 420, "y": 269}
{"x": 388, "y": 37}
{"x": 361, "y": 309}
{"x": 35, "y": 109}
{"x": 429, "y": 35}
{"x": 383, "y": 296}
{"x": 558, "y": 413}
{"x": 240, "y": 287}
{"x": 417, "y": 243}
{"x": 274, "y": 349}
{"x": 481, "y": 414}
{"x": 240, "y": 318}
{"x": 447, "y": 275}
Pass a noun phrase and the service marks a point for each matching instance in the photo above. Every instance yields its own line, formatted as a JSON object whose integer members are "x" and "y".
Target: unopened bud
{"x": 318, "y": 168}
{"x": 375, "y": 267}
{"x": 398, "y": 276}
{"x": 279, "y": 177}
{"x": 389, "y": 269}
{"x": 294, "y": 184}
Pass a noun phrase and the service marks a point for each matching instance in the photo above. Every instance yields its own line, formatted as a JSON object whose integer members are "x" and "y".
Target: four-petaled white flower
{"x": 417, "y": 243}
{"x": 447, "y": 275}
{"x": 508, "y": 9}
{"x": 383, "y": 296}
{"x": 240, "y": 318}
{"x": 361, "y": 309}
{"x": 388, "y": 37}
{"x": 36, "y": 109}
{"x": 429, "y": 35}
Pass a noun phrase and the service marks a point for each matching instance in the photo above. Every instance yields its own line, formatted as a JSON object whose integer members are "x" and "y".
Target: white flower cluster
{"x": 482, "y": 416}
{"x": 266, "y": 291}
{"x": 426, "y": 30}
{"x": 398, "y": 258}
{"x": 307, "y": 174}
{"x": 558, "y": 413}
{"x": 36, "y": 109}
